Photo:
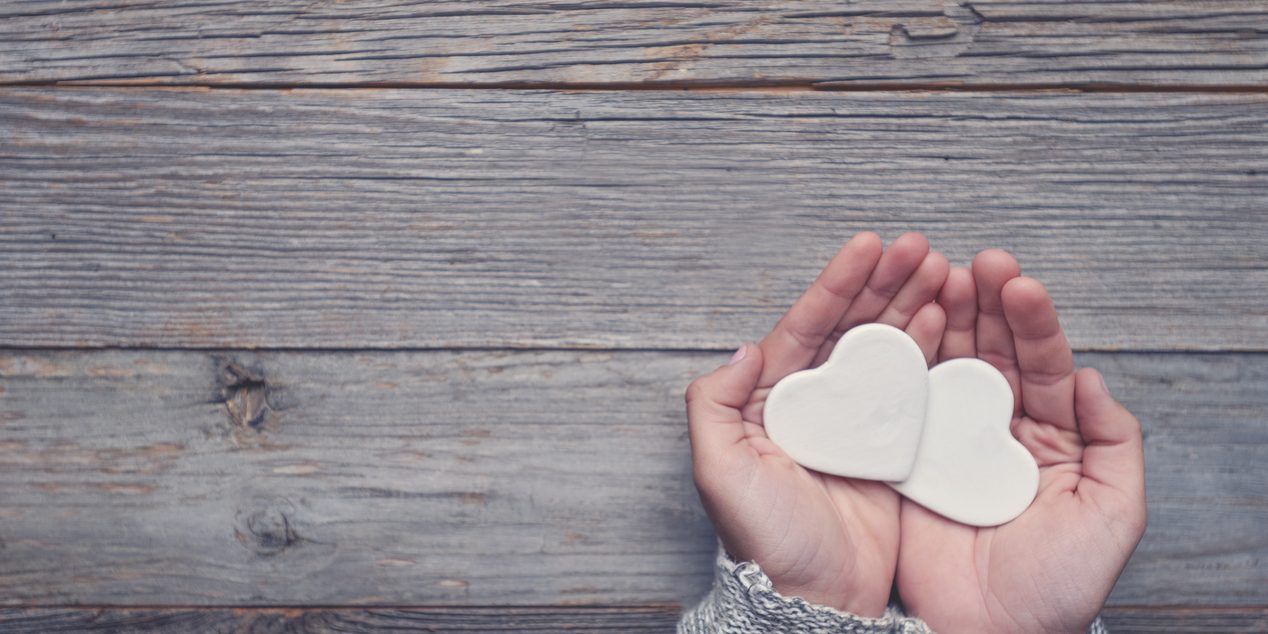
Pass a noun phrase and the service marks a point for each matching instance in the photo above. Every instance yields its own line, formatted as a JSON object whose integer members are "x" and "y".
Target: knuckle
{"x": 696, "y": 390}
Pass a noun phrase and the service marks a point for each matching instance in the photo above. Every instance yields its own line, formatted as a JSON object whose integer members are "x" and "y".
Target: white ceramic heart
{"x": 858, "y": 415}
{"x": 969, "y": 468}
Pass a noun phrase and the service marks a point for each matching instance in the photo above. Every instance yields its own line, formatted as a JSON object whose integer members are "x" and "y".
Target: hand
{"x": 829, "y": 540}
{"x": 1052, "y": 568}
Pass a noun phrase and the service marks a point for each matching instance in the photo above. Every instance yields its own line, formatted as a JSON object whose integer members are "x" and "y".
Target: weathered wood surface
{"x": 385, "y": 218}
{"x": 1188, "y": 42}
{"x": 544, "y": 620}
{"x": 485, "y": 478}
{"x": 537, "y": 619}
{"x": 1196, "y": 621}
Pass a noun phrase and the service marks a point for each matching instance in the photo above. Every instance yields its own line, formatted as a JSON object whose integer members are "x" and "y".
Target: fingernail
{"x": 739, "y": 355}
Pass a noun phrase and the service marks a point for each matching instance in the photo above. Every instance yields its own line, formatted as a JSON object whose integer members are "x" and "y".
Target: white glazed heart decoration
{"x": 858, "y": 415}
{"x": 940, "y": 437}
{"x": 969, "y": 468}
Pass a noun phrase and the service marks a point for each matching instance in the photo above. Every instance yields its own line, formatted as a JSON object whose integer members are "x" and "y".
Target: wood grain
{"x": 191, "y": 478}
{"x": 439, "y": 219}
{"x": 525, "y": 620}
{"x": 870, "y": 42}
{"x": 501, "y": 619}
{"x": 1128, "y": 620}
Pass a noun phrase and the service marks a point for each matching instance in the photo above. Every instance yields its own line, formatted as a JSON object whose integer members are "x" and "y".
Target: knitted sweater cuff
{"x": 1097, "y": 627}
{"x": 743, "y": 600}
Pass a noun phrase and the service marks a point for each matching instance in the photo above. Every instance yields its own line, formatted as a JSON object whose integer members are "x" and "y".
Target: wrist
{"x": 838, "y": 596}
{"x": 835, "y": 587}
{"x": 743, "y": 593}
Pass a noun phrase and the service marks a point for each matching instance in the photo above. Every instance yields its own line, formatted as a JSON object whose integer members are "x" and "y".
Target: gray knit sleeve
{"x": 1097, "y": 627}
{"x": 744, "y": 601}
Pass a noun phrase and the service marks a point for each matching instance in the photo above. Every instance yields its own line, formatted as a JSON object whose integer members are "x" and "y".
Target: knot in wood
{"x": 268, "y": 531}
{"x": 245, "y": 394}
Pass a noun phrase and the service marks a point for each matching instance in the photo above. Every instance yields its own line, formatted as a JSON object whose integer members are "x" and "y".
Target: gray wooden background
{"x": 341, "y": 316}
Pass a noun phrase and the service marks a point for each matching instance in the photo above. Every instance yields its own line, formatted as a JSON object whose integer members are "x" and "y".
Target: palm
{"x": 826, "y": 539}
{"x": 1051, "y": 568}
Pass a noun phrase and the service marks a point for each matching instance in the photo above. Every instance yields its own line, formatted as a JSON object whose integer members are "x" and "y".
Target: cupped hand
{"x": 1051, "y": 569}
{"x": 829, "y": 540}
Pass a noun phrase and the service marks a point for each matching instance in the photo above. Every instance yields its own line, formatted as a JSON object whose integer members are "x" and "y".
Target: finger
{"x": 959, "y": 299}
{"x": 900, "y": 262}
{"x": 1114, "y": 453}
{"x": 714, "y": 400}
{"x": 795, "y": 340}
{"x": 926, "y": 328}
{"x": 919, "y": 290}
{"x": 1045, "y": 362}
{"x": 991, "y": 270}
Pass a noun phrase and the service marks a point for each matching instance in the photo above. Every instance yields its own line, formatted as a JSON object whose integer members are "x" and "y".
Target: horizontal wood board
{"x": 662, "y": 220}
{"x": 187, "y": 478}
{"x": 541, "y": 620}
{"x": 545, "y": 620}
{"x": 870, "y": 42}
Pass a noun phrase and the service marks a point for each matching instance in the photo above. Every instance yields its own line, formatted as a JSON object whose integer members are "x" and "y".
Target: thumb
{"x": 714, "y": 402}
{"x": 1114, "y": 449}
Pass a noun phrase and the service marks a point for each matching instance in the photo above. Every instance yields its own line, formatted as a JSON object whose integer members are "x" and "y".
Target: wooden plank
{"x": 983, "y": 42}
{"x": 438, "y": 219}
{"x": 545, "y": 619}
{"x": 185, "y": 478}
{"x": 1194, "y": 620}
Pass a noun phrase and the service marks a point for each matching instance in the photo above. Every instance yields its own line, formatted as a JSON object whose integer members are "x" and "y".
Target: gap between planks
{"x": 670, "y": 606}
{"x": 565, "y": 347}
{"x": 723, "y": 87}
{"x": 643, "y": 607}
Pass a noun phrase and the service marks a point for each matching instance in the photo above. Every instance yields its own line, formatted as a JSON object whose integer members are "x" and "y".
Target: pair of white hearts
{"x": 940, "y": 437}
